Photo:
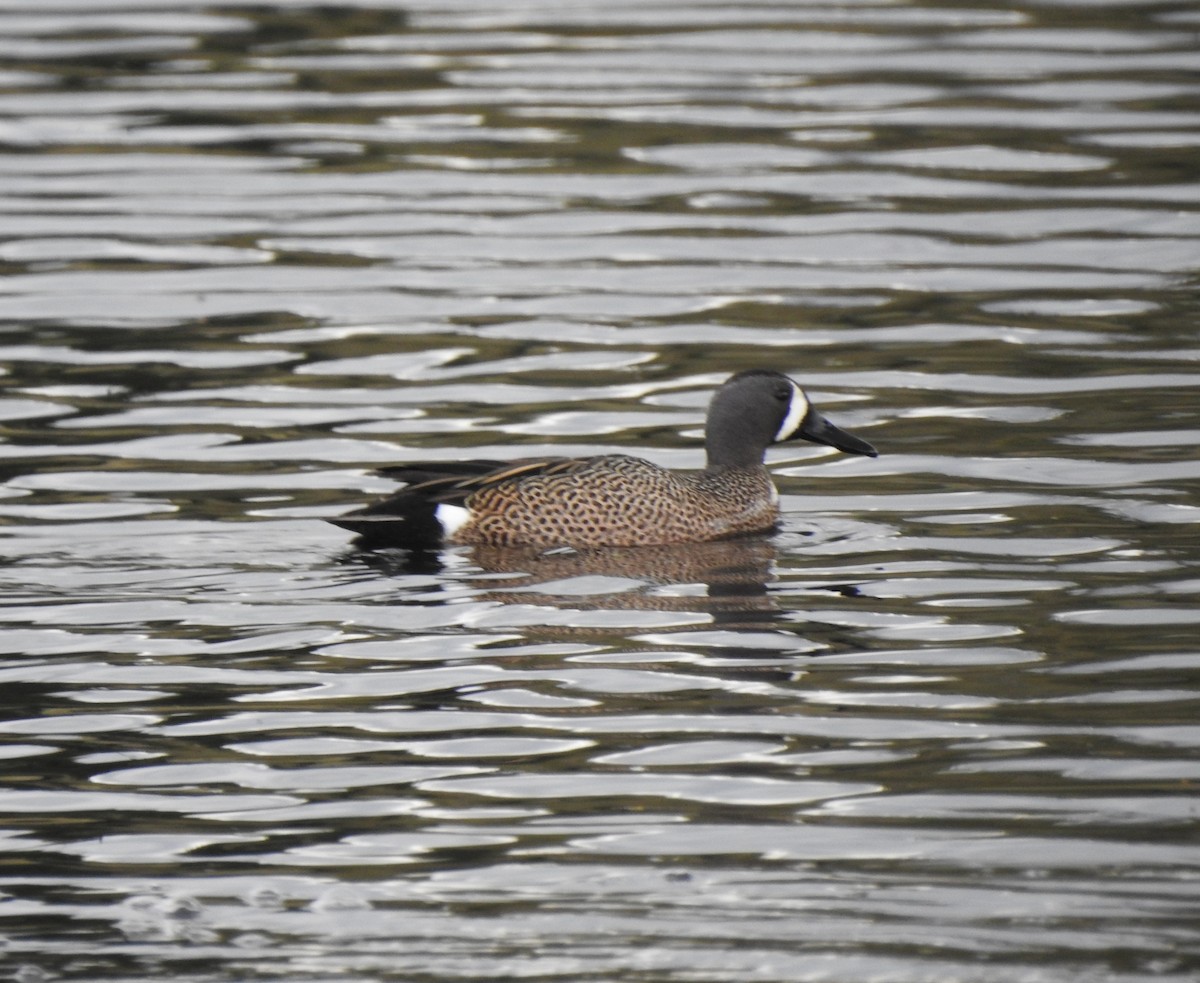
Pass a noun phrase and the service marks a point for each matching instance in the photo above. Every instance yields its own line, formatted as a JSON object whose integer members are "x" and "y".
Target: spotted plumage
{"x": 614, "y": 499}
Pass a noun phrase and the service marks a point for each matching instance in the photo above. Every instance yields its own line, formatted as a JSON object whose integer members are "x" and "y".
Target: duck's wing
{"x": 422, "y": 471}
{"x": 455, "y": 491}
{"x": 454, "y": 482}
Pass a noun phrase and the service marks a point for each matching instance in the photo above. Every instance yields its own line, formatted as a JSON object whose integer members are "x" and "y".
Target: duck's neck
{"x": 740, "y": 456}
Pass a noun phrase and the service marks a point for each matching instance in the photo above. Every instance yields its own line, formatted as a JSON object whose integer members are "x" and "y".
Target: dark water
{"x": 942, "y": 726}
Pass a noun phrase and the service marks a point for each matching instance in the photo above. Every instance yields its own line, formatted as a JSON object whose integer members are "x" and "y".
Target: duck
{"x": 610, "y": 500}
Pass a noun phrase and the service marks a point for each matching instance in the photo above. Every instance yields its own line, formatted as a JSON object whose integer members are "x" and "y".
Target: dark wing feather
{"x": 422, "y": 471}
{"x": 454, "y": 482}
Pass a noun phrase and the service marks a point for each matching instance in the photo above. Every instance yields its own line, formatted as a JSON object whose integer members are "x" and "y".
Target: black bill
{"x": 820, "y": 431}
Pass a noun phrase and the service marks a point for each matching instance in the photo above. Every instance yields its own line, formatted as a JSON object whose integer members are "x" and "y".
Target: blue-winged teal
{"x": 613, "y": 500}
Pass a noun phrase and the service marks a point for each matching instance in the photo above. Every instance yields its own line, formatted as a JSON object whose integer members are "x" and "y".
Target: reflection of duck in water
{"x": 727, "y": 576}
{"x": 728, "y": 584}
{"x": 611, "y": 500}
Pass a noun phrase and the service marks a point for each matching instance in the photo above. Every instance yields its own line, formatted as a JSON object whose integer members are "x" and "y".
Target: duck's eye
{"x": 783, "y": 395}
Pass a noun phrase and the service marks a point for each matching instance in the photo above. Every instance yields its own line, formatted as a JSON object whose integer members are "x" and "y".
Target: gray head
{"x": 757, "y": 408}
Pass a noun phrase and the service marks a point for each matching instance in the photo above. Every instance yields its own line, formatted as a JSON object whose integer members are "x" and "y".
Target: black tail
{"x": 403, "y": 521}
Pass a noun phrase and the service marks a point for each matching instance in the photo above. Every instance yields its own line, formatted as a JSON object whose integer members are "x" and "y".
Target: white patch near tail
{"x": 797, "y": 411}
{"x": 451, "y": 518}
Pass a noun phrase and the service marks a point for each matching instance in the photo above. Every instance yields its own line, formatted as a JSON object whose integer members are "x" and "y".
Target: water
{"x": 942, "y": 726}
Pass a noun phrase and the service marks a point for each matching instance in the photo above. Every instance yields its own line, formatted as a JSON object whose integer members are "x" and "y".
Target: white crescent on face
{"x": 797, "y": 411}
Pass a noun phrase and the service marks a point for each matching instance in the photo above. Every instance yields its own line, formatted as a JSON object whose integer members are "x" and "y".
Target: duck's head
{"x": 760, "y": 407}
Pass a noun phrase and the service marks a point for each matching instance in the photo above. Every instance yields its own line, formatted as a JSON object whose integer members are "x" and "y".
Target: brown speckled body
{"x": 617, "y": 500}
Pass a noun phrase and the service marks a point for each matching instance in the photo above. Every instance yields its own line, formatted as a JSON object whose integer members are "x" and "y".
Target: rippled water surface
{"x": 942, "y": 726}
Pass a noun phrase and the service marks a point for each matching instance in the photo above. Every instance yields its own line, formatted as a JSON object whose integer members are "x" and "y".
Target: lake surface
{"x": 942, "y": 726}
